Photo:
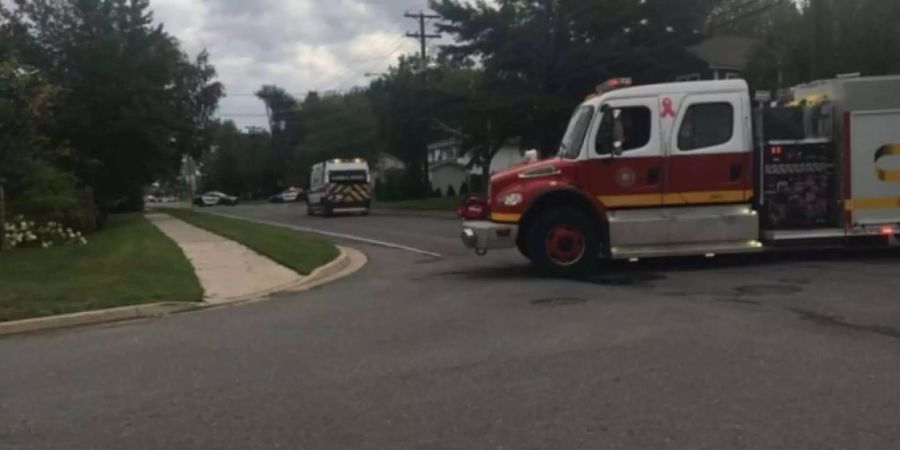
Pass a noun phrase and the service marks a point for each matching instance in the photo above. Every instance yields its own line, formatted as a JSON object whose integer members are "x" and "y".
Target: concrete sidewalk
{"x": 228, "y": 271}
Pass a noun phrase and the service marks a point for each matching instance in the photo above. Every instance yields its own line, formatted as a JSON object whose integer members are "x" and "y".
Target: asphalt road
{"x": 798, "y": 351}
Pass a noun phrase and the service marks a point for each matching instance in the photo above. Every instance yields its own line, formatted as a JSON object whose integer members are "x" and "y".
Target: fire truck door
{"x": 631, "y": 176}
{"x": 710, "y": 150}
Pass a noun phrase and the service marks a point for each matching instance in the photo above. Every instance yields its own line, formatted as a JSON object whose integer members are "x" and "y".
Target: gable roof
{"x": 725, "y": 52}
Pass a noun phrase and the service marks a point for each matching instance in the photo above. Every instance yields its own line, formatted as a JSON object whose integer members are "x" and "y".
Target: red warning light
{"x": 887, "y": 230}
{"x": 777, "y": 150}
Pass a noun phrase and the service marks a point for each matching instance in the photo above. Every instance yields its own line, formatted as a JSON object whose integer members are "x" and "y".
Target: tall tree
{"x": 551, "y": 53}
{"x": 130, "y": 101}
{"x": 403, "y": 120}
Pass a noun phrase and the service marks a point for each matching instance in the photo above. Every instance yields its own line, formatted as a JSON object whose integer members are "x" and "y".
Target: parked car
{"x": 215, "y": 198}
{"x": 151, "y": 199}
{"x": 287, "y": 196}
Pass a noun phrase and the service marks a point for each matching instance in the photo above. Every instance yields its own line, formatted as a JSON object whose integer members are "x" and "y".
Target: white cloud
{"x": 300, "y": 45}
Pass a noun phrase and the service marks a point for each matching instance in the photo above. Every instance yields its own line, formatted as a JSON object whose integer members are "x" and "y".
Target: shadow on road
{"x": 624, "y": 273}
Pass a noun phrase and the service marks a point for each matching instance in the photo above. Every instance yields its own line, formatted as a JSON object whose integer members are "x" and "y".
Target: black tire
{"x": 366, "y": 212}
{"x": 523, "y": 249}
{"x": 309, "y": 209}
{"x": 564, "y": 242}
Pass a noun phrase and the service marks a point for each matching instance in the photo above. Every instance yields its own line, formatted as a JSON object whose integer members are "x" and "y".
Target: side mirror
{"x": 532, "y": 155}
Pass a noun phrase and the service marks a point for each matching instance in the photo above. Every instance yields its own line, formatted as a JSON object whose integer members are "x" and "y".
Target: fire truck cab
{"x": 687, "y": 169}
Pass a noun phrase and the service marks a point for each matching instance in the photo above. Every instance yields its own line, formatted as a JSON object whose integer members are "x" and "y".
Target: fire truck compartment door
{"x": 874, "y": 196}
{"x": 683, "y": 230}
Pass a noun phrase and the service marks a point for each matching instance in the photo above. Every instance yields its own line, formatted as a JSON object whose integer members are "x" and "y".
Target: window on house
{"x": 706, "y": 125}
{"x": 637, "y": 126}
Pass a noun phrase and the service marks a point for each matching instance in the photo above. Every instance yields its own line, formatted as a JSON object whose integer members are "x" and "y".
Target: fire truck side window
{"x": 706, "y": 125}
{"x": 636, "y": 125}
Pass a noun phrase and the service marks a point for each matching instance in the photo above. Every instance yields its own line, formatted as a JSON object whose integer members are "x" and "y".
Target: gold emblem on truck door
{"x": 626, "y": 177}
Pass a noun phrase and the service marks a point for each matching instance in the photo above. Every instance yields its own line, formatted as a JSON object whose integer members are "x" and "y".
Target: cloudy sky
{"x": 300, "y": 45}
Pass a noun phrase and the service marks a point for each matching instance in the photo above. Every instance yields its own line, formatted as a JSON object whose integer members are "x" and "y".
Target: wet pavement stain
{"x": 768, "y": 289}
{"x": 742, "y": 301}
{"x": 558, "y": 301}
{"x": 835, "y": 321}
{"x": 802, "y": 281}
{"x": 626, "y": 279}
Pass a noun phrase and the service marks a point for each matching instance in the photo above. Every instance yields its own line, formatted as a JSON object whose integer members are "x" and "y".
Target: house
{"x": 718, "y": 58}
{"x": 385, "y": 164}
{"x": 449, "y": 166}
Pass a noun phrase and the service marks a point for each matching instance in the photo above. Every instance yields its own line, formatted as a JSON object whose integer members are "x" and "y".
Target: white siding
{"x": 448, "y": 175}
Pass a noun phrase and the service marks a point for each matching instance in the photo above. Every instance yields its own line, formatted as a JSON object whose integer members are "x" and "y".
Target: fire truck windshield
{"x": 571, "y": 144}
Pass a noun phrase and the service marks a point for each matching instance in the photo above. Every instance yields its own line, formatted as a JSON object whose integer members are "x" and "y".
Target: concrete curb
{"x": 94, "y": 317}
{"x": 348, "y": 262}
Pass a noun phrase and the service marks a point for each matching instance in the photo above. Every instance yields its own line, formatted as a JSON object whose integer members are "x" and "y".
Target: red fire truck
{"x": 696, "y": 168}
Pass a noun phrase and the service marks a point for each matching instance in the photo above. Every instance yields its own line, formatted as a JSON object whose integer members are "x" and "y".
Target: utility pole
{"x": 823, "y": 38}
{"x": 423, "y": 38}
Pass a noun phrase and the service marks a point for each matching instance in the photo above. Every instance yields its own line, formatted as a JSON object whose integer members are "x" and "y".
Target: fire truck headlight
{"x": 514, "y": 199}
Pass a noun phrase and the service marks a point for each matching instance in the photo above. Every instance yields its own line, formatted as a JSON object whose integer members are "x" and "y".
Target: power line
{"x": 374, "y": 65}
{"x": 353, "y": 70}
{"x": 648, "y": 46}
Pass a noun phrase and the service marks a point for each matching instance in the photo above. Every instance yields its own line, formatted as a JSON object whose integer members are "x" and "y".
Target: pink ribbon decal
{"x": 668, "y": 108}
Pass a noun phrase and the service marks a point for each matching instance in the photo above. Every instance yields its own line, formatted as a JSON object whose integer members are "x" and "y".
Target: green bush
{"x": 401, "y": 185}
{"x": 43, "y": 193}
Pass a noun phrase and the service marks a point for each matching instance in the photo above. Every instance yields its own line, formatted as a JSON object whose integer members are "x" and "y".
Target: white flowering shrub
{"x": 23, "y": 233}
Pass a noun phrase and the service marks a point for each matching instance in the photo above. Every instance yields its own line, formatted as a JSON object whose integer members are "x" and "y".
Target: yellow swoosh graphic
{"x": 890, "y": 175}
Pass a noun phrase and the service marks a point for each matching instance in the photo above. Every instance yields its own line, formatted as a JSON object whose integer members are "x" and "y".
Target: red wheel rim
{"x": 565, "y": 245}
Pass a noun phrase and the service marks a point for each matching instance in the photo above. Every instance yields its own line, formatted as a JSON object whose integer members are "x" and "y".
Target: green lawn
{"x": 299, "y": 251}
{"x": 425, "y": 204}
{"x": 128, "y": 262}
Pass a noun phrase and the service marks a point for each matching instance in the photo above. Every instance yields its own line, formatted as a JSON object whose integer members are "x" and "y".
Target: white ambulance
{"x": 339, "y": 186}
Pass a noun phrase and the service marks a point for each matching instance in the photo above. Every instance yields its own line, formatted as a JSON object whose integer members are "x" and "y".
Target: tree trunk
{"x": 2, "y": 219}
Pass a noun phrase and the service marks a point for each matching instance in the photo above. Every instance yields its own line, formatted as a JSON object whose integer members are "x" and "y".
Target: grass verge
{"x": 425, "y": 204}
{"x": 298, "y": 251}
{"x": 128, "y": 262}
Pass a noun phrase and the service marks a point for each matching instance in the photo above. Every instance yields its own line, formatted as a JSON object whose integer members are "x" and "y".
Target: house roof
{"x": 725, "y": 52}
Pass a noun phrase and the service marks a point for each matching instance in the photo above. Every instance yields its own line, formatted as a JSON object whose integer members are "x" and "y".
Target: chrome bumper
{"x": 483, "y": 236}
